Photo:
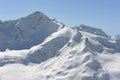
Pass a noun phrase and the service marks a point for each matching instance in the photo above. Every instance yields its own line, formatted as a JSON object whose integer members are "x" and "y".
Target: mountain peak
{"x": 23, "y": 33}
{"x": 38, "y": 14}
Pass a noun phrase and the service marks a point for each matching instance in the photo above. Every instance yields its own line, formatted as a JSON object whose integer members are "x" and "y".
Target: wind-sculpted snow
{"x": 56, "y": 52}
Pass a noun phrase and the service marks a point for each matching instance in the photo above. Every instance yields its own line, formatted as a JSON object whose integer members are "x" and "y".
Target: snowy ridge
{"x": 63, "y": 53}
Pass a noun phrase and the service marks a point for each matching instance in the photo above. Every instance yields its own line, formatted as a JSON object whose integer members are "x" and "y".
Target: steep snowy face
{"x": 26, "y": 31}
{"x": 7, "y": 34}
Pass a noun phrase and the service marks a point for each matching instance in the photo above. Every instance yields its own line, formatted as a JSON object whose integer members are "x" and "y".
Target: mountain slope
{"x": 64, "y": 54}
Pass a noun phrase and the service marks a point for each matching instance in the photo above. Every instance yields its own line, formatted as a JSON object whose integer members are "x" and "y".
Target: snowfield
{"x": 38, "y": 48}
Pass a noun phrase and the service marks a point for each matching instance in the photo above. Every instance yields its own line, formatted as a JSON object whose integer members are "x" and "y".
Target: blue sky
{"x": 104, "y": 14}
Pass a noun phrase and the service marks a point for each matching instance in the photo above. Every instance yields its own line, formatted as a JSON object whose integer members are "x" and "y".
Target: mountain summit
{"x": 45, "y": 49}
{"x": 26, "y": 31}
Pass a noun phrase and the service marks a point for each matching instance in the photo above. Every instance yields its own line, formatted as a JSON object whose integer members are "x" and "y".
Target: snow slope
{"x": 58, "y": 52}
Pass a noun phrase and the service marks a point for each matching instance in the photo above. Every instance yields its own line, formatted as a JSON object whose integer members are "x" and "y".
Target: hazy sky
{"x": 104, "y": 14}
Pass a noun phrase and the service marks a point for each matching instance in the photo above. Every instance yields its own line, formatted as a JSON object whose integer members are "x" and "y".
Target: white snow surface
{"x": 45, "y": 49}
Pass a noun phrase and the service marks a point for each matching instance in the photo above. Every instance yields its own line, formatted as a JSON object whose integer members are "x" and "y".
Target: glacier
{"x": 36, "y": 47}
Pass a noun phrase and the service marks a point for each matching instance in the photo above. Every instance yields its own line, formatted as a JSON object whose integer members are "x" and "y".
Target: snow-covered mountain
{"x": 26, "y": 31}
{"x": 49, "y": 50}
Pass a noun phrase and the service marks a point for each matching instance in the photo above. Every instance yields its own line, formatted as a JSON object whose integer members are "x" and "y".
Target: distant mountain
{"x": 92, "y": 30}
{"x": 49, "y": 50}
